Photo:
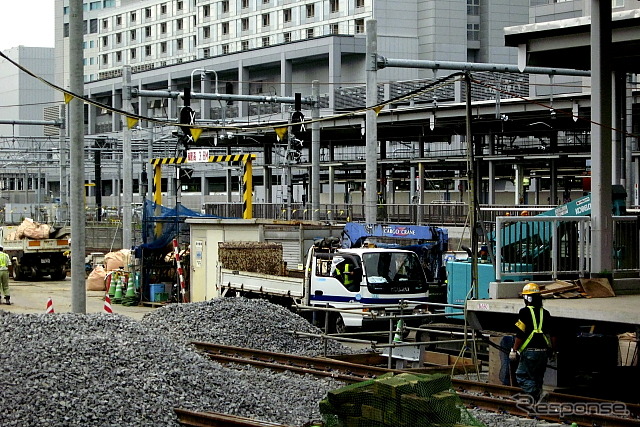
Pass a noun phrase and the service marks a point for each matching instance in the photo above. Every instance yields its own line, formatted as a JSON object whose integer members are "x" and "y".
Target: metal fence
{"x": 561, "y": 246}
{"x": 451, "y": 214}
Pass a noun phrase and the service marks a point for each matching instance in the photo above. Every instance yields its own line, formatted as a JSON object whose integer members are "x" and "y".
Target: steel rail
{"x": 493, "y": 397}
{"x": 215, "y": 419}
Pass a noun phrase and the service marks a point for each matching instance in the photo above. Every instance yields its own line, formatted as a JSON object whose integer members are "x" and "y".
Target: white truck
{"x": 36, "y": 258}
{"x": 382, "y": 280}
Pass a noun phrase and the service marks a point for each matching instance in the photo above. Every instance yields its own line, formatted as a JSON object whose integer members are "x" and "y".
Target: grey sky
{"x": 27, "y": 23}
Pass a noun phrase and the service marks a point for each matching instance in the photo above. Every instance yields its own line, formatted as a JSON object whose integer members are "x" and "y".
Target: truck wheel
{"x": 18, "y": 274}
{"x": 336, "y": 325}
{"x": 59, "y": 275}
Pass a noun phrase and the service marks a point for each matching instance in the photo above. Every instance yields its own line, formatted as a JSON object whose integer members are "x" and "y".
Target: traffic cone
{"x": 397, "y": 337}
{"x": 112, "y": 285}
{"x": 107, "y": 304}
{"x": 131, "y": 289}
{"x": 117, "y": 298}
{"x": 50, "y": 306}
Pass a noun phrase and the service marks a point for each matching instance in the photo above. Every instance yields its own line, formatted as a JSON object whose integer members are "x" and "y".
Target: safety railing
{"x": 560, "y": 246}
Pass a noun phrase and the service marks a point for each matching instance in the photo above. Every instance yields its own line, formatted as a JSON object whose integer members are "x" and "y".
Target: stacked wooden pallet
{"x": 394, "y": 400}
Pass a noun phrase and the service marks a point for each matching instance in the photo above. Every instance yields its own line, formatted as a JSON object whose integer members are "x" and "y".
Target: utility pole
{"x": 315, "y": 151}
{"x": 63, "y": 212}
{"x": 371, "y": 152}
{"x": 127, "y": 162}
{"x": 76, "y": 120}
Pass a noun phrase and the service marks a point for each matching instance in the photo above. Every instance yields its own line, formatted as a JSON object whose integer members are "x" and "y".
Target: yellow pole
{"x": 247, "y": 211}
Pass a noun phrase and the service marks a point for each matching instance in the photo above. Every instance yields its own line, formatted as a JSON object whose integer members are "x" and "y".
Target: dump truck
{"x": 35, "y": 258}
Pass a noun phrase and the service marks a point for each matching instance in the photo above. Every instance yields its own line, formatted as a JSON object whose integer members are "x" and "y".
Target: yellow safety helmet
{"x": 530, "y": 288}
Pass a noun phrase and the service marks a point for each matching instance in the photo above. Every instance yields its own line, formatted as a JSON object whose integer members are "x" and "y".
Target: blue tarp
{"x": 169, "y": 219}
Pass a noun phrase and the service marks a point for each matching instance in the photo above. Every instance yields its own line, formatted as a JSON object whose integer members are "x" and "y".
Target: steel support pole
{"x": 601, "y": 120}
{"x": 471, "y": 190}
{"x": 127, "y": 163}
{"x": 76, "y": 127}
{"x": 315, "y": 152}
{"x": 63, "y": 212}
{"x": 371, "y": 152}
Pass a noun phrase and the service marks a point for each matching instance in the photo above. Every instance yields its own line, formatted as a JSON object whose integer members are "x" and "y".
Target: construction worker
{"x": 535, "y": 341}
{"x": 5, "y": 262}
{"x": 345, "y": 272}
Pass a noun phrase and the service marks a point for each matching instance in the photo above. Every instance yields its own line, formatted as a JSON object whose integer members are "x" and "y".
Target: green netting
{"x": 404, "y": 400}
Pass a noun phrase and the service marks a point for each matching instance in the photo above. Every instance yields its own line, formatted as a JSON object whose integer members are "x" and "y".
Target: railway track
{"x": 555, "y": 407}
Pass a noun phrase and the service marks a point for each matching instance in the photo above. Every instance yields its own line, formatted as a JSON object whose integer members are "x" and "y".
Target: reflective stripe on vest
{"x": 347, "y": 277}
{"x": 537, "y": 329}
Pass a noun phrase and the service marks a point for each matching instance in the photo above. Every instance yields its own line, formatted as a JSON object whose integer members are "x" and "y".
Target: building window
{"x": 132, "y": 53}
{"x": 473, "y": 32}
{"x": 163, "y": 9}
{"x": 359, "y": 3}
{"x": 179, "y": 5}
{"x": 309, "y": 33}
{"x": 266, "y": 19}
{"x": 265, "y": 1}
{"x": 147, "y": 12}
{"x": 132, "y": 34}
{"x": 244, "y": 45}
{"x": 179, "y": 24}
{"x": 118, "y": 38}
{"x": 334, "y": 6}
{"x": 359, "y": 23}
{"x": 147, "y": 31}
{"x": 225, "y": 6}
{"x": 147, "y": 50}
{"x": 105, "y": 59}
{"x": 265, "y": 41}
{"x": 225, "y": 28}
{"x": 225, "y": 49}
{"x": 105, "y": 24}
{"x": 286, "y": 15}
{"x": 93, "y": 26}
{"x": 132, "y": 17}
{"x": 206, "y": 53}
{"x": 245, "y": 4}
{"x": 287, "y": 37}
{"x": 163, "y": 47}
{"x": 311, "y": 10}
{"x": 617, "y": 3}
{"x": 473, "y": 7}
{"x": 119, "y": 20}
{"x": 333, "y": 28}
{"x": 118, "y": 56}
{"x": 244, "y": 24}
{"x": 105, "y": 41}
{"x": 206, "y": 32}
{"x": 180, "y": 44}
{"x": 206, "y": 10}
{"x": 163, "y": 28}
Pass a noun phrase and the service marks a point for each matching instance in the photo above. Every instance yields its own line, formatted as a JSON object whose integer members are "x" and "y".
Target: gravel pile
{"x": 241, "y": 322}
{"x": 98, "y": 369}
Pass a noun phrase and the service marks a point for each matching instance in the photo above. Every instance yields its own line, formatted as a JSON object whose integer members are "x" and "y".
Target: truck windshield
{"x": 394, "y": 272}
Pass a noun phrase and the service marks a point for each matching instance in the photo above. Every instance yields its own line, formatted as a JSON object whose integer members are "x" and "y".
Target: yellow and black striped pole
{"x": 247, "y": 197}
{"x": 247, "y": 178}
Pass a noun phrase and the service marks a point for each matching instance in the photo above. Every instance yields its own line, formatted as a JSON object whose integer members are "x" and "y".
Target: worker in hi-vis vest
{"x": 535, "y": 342}
{"x": 345, "y": 272}
{"x": 5, "y": 262}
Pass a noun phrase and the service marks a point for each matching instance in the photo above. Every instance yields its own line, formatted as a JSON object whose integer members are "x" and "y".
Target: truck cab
{"x": 378, "y": 283}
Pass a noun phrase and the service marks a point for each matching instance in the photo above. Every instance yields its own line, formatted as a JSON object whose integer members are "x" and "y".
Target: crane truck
{"x": 385, "y": 281}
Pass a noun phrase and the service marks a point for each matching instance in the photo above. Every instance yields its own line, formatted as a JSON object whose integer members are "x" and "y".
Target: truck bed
{"x": 262, "y": 283}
